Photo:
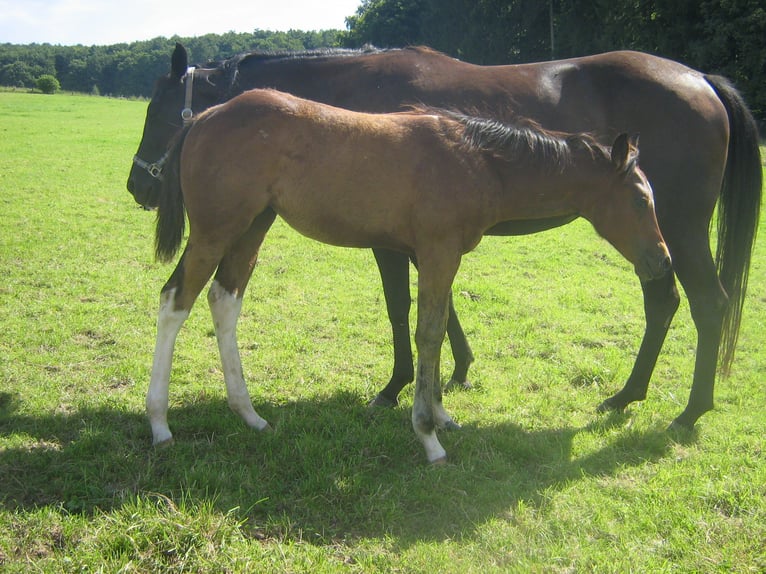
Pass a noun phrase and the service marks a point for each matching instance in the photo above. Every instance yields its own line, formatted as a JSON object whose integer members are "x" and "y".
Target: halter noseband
{"x": 155, "y": 168}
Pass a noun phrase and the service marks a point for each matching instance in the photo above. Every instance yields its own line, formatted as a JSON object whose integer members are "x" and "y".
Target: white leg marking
{"x": 423, "y": 416}
{"x": 225, "y": 309}
{"x": 169, "y": 323}
{"x": 435, "y": 452}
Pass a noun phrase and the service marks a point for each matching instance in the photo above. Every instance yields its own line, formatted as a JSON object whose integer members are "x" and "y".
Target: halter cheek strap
{"x": 187, "y": 114}
{"x": 155, "y": 168}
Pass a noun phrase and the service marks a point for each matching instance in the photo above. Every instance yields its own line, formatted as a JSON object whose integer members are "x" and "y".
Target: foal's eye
{"x": 641, "y": 201}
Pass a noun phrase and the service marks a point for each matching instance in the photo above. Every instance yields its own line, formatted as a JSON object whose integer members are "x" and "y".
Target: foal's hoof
{"x": 451, "y": 425}
{"x": 163, "y": 444}
{"x": 384, "y": 402}
{"x": 267, "y": 429}
{"x": 441, "y": 461}
{"x": 455, "y": 385}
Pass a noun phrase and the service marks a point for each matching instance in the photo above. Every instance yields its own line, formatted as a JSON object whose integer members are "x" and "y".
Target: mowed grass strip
{"x": 536, "y": 481}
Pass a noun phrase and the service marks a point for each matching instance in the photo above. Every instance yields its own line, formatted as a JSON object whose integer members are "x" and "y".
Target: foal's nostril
{"x": 667, "y": 264}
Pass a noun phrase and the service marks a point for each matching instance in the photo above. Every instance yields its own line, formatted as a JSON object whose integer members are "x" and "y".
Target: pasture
{"x": 536, "y": 480}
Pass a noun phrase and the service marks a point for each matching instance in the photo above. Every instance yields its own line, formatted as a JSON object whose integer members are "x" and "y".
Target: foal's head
{"x": 622, "y": 207}
{"x": 604, "y": 186}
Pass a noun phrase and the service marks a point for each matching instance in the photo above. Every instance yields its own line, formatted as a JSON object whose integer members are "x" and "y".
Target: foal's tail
{"x": 171, "y": 220}
{"x": 739, "y": 209}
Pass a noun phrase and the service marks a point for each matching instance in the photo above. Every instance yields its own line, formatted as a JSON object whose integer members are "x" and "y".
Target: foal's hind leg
{"x": 176, "y": 300}
{"x": 225, "y": 300}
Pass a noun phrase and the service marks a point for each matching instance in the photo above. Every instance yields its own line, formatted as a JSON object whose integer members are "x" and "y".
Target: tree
{"x": 16, "y": 74}
{"x": 48, "y": 84}
{"x": 386, "y": 23}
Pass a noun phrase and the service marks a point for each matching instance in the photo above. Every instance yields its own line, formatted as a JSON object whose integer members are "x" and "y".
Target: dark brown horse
{"x": 699, "y": 149}
{"x": 428, "y": 185}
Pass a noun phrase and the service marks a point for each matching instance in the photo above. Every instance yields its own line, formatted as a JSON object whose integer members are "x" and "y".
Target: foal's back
{"x": 320, "y": 167}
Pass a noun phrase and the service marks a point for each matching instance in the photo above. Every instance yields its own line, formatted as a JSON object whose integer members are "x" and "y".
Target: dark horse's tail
{"x": 171, "y": 220}
{"x": 739, "y": 210}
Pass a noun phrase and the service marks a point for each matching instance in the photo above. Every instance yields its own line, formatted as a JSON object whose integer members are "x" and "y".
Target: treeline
{"x": 131, "y": 69}
{"x": 716, "y": 36}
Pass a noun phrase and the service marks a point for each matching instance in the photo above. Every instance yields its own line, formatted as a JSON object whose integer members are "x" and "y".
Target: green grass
{"x": 536, "y": 480}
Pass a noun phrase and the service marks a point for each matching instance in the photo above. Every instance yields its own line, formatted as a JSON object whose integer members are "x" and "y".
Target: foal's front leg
{"x": 176, "y": 300}
{"x": 428, "y": 413}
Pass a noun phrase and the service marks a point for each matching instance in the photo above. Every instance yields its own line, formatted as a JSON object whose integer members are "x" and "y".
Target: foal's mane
{"x": 524, "y": 141}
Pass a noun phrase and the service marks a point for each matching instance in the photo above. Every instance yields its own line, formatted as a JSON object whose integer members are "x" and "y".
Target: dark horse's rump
{"x": 699, "y": 147}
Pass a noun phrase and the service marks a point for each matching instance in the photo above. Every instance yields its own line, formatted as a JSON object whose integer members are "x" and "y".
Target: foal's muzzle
{"x": 655, "y": 265}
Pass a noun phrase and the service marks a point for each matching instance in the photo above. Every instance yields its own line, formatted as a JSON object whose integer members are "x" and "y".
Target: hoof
{"x": 680, "y": 427}
{"x": 441, "y": 461}
{"x": 609, "y": 406}
{"x": 267, "y": 429}
{"x": 383, "y": 402}
{"x": 163, "y": 444}
{"x": 454, "y": 385}
{"x": 451, "y": 425}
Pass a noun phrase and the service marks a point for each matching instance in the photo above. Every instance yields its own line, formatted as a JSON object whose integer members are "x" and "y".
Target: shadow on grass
{"x": 332, "y": 469}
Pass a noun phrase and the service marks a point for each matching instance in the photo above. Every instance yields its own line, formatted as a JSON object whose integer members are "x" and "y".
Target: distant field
{"x": 536, "y": 482}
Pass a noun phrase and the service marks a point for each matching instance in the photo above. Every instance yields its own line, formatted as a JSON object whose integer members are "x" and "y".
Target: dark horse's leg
{"x": 461, "y": 350}
{"x": 707, "y": 302}
{"x": 394, "y": 272}
{"x": 693, "y": 263}
{"x": 732, "y": 178}
{"x": 661, "y": 301}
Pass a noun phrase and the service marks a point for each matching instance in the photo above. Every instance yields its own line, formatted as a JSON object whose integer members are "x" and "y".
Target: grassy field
{"x": 537, "y": 481}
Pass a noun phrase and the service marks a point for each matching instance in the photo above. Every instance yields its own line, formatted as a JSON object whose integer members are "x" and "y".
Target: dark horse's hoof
{"x": 610, "y": 406}
{"x": 453, "y": 385}
{"x": 679, "y": 426}
{"x": 620, "y": 401}
{"x": 384, "y": 402}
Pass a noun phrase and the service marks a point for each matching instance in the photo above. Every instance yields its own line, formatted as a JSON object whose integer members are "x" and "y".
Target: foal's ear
{"x": 625, "y": 151}
{"x": 179, "y": 62}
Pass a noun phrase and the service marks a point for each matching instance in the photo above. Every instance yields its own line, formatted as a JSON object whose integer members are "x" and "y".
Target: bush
{"x": 48, "y": 84}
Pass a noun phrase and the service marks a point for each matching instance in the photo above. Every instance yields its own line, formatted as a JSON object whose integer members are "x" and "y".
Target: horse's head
{"x": 626, "y": 217}
{"x": 170, "y": 107}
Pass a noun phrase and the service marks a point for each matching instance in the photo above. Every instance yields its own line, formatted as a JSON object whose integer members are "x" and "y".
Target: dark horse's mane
{"x": 525, "y": 141}
{"x": 232, "y": 66}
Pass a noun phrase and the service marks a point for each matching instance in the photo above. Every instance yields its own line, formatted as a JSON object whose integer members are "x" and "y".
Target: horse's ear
{"x": 620, "y": 151}
{"x": 179, "y": 62}
{"x": 625, "y": 151}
